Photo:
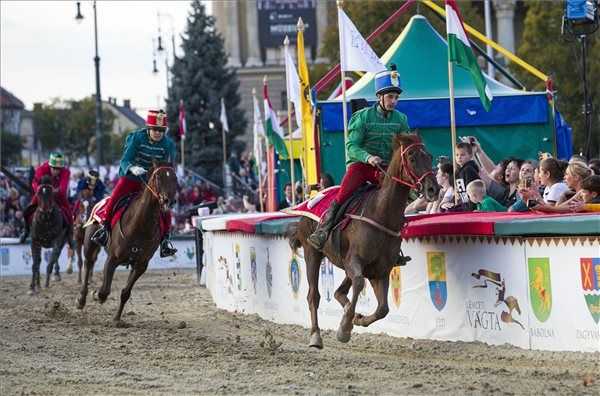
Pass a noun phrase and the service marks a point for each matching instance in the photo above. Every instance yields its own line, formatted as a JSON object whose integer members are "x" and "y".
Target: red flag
{"x": 182, "y": 125}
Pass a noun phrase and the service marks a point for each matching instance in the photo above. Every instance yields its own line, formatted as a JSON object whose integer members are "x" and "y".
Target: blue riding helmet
{"x": 388, "y": 81}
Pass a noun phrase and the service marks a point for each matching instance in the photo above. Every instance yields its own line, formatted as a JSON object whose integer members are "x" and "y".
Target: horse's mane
{"x": 401, "y": 140}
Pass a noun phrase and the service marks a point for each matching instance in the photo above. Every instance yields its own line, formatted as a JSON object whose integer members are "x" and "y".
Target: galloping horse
{"x": 82, "y": 212}
{"x": 370, "y": 244}
{"x": 49, "y": 230}
{"x": 134, "y": 237}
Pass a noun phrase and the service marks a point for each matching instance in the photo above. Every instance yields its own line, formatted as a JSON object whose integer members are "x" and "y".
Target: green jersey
{"x": 489, "y": 204}
{"x": 370, "y": 132}
{"x": 140, "y": 150}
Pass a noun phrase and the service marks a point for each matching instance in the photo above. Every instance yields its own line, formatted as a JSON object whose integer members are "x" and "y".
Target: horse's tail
{"x": 293, "y": 237}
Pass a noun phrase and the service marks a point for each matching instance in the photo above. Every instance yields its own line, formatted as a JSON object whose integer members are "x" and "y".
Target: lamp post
{"x": 99, "y": 150}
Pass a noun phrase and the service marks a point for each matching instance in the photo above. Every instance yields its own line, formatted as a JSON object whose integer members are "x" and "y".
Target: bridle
{"x": 415, "y": 181}
{"x": 156, "y": 195}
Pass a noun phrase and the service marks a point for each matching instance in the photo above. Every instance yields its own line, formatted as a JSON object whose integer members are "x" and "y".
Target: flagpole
{"x": 344, "y": 109}
{"x": 183, "y": 152}
{"x": 286, "y": 44}
{"x": 452, "y": 125}
{"x": 257, "y": 152}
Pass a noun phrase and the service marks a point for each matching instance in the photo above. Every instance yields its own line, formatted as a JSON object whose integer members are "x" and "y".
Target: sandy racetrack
{"x": 177, "y": 342}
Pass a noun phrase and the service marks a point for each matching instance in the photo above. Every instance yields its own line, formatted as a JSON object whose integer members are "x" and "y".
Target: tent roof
{"x": 421, "y": 56}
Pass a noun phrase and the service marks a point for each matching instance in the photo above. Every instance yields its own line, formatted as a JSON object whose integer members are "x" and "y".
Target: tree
{"x": 367, "y": 15}
{"x": 560, "y": 57}
{"x": 11, "y": 148}
{"x": 201, "y": 78}
{"x": 70, "y": 126}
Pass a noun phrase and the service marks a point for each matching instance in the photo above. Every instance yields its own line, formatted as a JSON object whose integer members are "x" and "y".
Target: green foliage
{"x": 69, "y": 126}
{"x": 560, "y": 57}
{"x": 367, "y": 15}
{"x": 11, "y": 149}
{"x": 201, "y": 78}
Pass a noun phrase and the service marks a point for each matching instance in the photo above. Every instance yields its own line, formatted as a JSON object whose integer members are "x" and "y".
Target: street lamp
{"x": 99, "y": 151}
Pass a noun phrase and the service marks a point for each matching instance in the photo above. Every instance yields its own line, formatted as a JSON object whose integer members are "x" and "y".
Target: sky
{"x": 45, "y": 53}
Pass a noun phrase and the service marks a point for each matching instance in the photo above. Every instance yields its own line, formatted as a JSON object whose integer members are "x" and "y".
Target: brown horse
{"x": 84, "y": 209}
{"x": 370, "y": 244}
{"x": 49, "y": 230}
{"x": 134, "y": 238}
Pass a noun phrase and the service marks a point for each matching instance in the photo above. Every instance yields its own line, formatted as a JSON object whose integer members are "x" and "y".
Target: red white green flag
{"x": 272, "y": 128}
{"x": 461, "y": 53}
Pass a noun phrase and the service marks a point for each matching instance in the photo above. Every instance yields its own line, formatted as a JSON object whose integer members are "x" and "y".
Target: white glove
{"x": 137, "y": 170}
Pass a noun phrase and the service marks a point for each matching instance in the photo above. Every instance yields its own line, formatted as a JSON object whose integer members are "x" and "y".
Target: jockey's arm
{"x": 37, "y": 177}
{"x": 131, "y": 147}
{"x": 63, "y": 186}
{"x": 356, "y": 138}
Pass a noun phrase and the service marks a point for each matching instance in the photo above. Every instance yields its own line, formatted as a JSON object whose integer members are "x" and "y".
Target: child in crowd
{"x": 466, "y": 172}
{"x": 485, "y": 203}
{"x": 551, "y": 173}
{"x": 589, "y": 196}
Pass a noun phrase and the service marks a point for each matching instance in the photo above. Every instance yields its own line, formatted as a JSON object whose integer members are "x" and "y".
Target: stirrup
{"x": 100, "y": 237}
{"x": 318, "y": 239}
{"x": 166, "y": 248}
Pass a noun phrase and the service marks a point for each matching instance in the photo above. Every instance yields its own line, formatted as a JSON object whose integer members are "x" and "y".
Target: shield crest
{"x": 436, "y": 274}
{"x": 269, "y": 275}
{"x": 396, "y": 285}
{"x": 294, "y": 274}
{"x": 540, "y": 290}
{"x": 590, "y": 283}
{"x": 253, "y": 275}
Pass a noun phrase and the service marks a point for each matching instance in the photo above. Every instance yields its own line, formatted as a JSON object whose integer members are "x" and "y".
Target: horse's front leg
{"x": 341, "y": 293}
{"x": 313, "y": 260}
{"x": 36, "y": 258}
{"x": 380, "y": 287}
{"x": 78, "y": 251}
{"x": 135, "y": 273}
{"x": 355, "y": 272}
{"x": 109, "y": 271}
{"x": 91, "y": 255}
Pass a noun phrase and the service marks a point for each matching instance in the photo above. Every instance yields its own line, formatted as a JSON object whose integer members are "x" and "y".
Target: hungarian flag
{"x": 182, "y": 125}
{"x": 461, "y": 53}
{"x": 272, "y": 128}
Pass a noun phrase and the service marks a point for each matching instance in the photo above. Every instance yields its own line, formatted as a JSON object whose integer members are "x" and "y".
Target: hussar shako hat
{"x": 157, "y": 119}
{"x": 388, "y": 81}
{"x": 56, "y": 160}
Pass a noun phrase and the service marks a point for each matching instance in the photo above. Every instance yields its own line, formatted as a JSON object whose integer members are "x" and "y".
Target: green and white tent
{"x": 519, "y": 123}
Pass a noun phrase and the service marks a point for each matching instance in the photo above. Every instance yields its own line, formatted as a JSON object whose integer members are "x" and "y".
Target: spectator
{"x": 485, "y": 203}
{"x": 594, "y": 165}
{"x": 445, "y": 178}
{"x": 287, "y": 201}
{"x": 466, "y": 172}
{"x": 575, "y": 174}
{"x": 589, "y": 198}
{"x": 551, "y": 173}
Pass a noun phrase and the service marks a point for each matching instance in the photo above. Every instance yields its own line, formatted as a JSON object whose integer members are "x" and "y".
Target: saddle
{"x": 351, "y": 206}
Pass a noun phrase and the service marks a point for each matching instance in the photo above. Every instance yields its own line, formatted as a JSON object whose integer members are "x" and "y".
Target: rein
{"x": 416, "y": 180}
{"x": 395, "y": 234}
{"x": 150, "y": 177}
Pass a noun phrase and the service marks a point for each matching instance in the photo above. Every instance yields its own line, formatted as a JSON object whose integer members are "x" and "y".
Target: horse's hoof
{"x": 95, "y": 295}
{"x": 316, "y": 341}
{"x": 69, "y": 270}
{"x": 57, "y": 278}
{"x": 32, "y": 292}
{"x": 343, "y": 336}
{"x": 119, "y": 324}
{"x": 80, "y": 303}
{"x": 358, "y": 319}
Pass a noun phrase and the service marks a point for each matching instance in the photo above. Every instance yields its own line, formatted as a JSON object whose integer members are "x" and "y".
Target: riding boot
{"x": 318, "y": 238}
{"x": 25, "y": 233}
{"x": 101, "y": 235}
{"x": 166, "y": 247}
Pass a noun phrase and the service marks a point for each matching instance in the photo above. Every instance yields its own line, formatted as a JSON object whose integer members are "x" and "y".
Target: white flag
{"x": 259, "y": 129}
{"x": 355, "y": 53}
{"x": 223, "y": 117}
{"x": 292, "y": 84}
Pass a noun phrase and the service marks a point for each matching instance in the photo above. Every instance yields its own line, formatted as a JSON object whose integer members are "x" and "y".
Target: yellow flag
{"x": 308, "y": 137}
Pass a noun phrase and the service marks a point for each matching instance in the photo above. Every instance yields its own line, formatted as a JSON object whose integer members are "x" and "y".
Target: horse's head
{"x": 411, "y": 166}
{"x": 45, "y": 194}
{"x": 163, "y": 184}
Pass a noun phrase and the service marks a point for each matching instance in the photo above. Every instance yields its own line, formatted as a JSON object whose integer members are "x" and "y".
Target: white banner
{"x": 355, "y": 53}
{"x": 16, "y": 259}
{"x": 455, "y": 289}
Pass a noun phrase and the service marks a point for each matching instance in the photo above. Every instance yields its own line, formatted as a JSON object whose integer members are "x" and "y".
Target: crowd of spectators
{"x": 545, "y": 184}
